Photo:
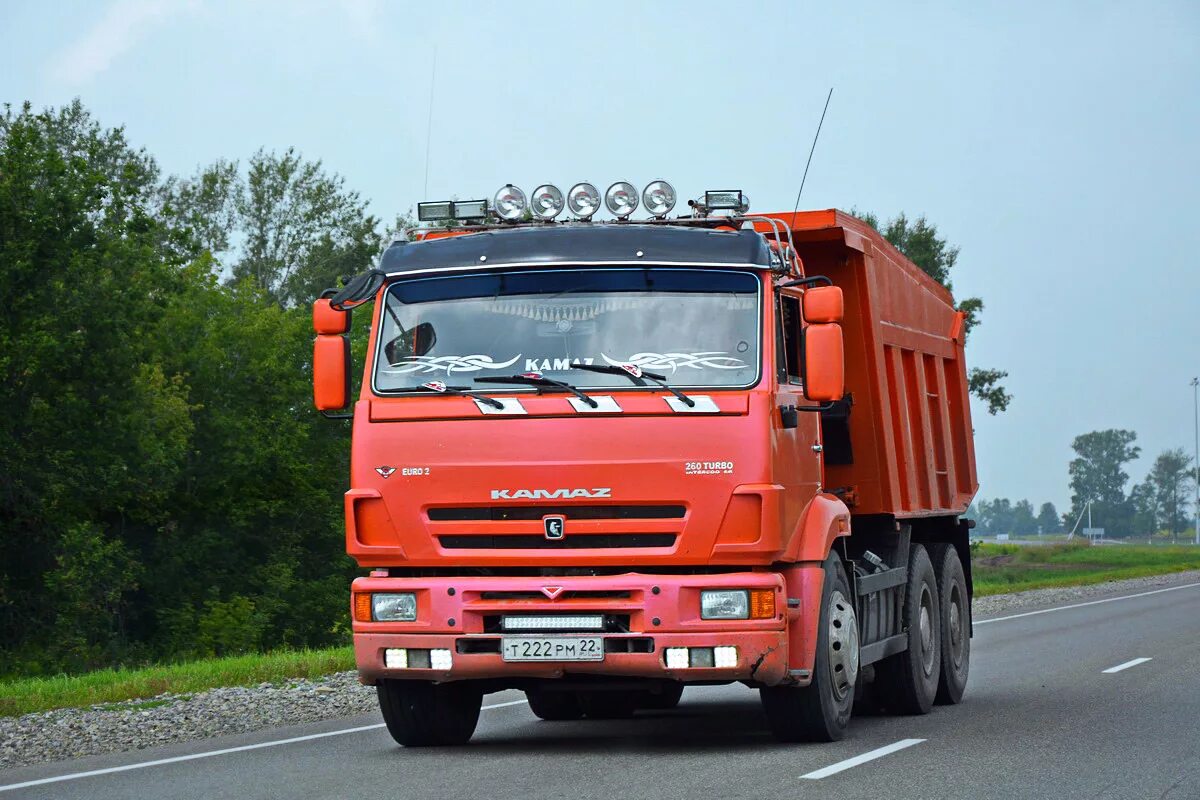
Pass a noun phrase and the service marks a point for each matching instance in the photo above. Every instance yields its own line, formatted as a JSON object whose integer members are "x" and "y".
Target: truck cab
{"x": 589, "y": 462}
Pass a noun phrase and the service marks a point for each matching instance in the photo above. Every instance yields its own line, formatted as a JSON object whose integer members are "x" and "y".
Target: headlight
{"x": 394, "y": 607}
{"x": 547, "y": 202}
{"x": 725, "y": 604}
{"x": 621, "y": 199}
{"x": 583, "y": 200}
{"x": 510, "y": 203}
{"x": 658, "y": 198}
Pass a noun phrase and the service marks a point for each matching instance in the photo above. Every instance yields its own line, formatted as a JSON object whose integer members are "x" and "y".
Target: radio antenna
{"x": 811, "y": 150}
{"x": 429, "y": 124}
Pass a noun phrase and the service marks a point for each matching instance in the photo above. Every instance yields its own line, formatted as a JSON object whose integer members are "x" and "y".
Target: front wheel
{"x": 820, "y": 712}
{"x": 423, "y": 714}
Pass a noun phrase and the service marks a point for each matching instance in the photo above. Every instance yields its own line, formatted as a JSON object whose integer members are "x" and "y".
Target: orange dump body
{"x": 910, "y": 419}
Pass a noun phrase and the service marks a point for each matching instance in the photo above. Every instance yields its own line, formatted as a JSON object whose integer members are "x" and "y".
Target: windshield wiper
{"x": 441, "y": 388}
{"x": 638, "y": 376}
{"x": 540, "y": 381}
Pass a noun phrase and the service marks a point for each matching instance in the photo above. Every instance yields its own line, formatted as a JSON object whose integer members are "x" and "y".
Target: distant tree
{"x": 1047, "y": 518}
{"x": 1098, "y": 474}
{"x": 919, "y": 241}
{"x": 1145, "y": 508}
{"x": 1170, "y": 480}
{"x": 1024, "y": 522}
{"x": 287, "y": 225}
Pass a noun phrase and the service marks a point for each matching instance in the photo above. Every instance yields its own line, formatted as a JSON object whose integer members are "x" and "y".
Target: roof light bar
{"x": 726, "y": 199}
{"x": 510, "y": 203}
{"x": 583, "y": 200}
{"x": 659, "y": 198}
{"x": 621, "y": 199}
{"x": 442, "y": 210}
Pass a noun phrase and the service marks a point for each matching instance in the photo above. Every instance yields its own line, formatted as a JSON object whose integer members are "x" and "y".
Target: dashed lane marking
{"x": 880, "y": 752}
{"x": 1126, "y": 665}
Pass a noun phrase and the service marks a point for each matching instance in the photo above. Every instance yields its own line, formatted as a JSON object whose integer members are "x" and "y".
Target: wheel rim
{"x": 926, "y": 624}
{"x": 843, "y": 645}
{"x": 954, "y": 637}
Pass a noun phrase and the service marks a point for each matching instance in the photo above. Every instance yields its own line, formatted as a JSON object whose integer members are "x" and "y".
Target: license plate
{"x": 552, "y": 648}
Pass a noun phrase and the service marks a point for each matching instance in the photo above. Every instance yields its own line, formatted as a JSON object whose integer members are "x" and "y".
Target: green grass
{"x": 112, "y": 688}
{"x": 1000, "y": 568}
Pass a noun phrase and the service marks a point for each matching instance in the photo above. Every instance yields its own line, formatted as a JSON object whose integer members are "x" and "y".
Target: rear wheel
{"x": 554, "y": 706}
{"x": 820, "y": 712}
{"x": 667, "y": 699}
{"x": 956, "y": 624}
{"x": 422, "y": 714}
{"x": 908, "y": 682}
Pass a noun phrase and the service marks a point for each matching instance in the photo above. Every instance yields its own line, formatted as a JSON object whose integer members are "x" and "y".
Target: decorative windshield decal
{"x": 448, "y": 364}
{"x": 711, "y": 359}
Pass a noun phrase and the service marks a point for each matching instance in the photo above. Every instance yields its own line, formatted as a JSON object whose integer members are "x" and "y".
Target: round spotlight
{"x": 547, "y": 202}
{"x": 621, "y": 199}
{"x": 659, "y": 198}
{"x": 583, "y": 200}
{"x": 509, "y": 203}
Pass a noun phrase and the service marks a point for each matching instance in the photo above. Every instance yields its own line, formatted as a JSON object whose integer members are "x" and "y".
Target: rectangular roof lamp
{"x": 442, "y": 210}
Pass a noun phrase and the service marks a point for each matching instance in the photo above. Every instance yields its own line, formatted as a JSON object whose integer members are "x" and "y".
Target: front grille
{"x": 539, "y": 542}
{"x": 503, "y": 513}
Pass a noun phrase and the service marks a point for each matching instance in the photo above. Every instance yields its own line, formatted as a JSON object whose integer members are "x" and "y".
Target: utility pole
{"x": 1196, "y": 462}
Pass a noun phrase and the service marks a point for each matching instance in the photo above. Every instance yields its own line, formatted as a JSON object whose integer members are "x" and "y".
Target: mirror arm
{"x": 822, "y": 407}
{"x": 337, "y": 414}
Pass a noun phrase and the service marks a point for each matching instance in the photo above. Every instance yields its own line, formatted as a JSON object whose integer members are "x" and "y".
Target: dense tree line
{"x": 1002, "y": 516}
{"x": 165, "y": 488}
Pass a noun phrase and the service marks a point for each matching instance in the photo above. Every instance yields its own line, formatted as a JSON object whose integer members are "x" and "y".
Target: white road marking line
{"x": 840, "y": 766}
{"x": 209, "y": 754}
{"x": 1126, "y": 665}
{"x": 1088, "y": 603}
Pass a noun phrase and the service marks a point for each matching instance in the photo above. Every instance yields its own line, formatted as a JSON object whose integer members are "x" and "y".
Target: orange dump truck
{"x": 600, "y": 461}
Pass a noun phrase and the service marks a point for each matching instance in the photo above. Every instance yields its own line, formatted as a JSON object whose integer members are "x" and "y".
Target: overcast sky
{"x": 1055, "y": 143}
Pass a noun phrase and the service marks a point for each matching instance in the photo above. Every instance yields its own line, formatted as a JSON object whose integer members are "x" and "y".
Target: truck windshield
{"x": 698, "y": 327}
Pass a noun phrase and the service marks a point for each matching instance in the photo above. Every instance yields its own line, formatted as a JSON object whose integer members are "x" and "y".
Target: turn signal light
{"x": 762, "y": 604}
{"x": 362, "y": 607}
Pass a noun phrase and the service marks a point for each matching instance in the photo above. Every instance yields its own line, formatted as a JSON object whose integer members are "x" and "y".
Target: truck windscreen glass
{"x": 698, "y": 327}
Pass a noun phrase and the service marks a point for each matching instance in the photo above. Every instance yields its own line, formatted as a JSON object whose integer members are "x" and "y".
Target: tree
{"x": 1024, "y": 523}
{"x": 1145, "y": 508}
{"x": 287, "y": 225}
{"x": 1170, "y": 484}
{"x": 1098, "y": 474}
{"x": 919, "y": 241}
{"x": 1047, "y": 519}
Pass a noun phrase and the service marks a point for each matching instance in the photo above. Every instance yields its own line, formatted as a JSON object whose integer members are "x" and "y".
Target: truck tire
{"x": 908, "y": 682}
{"x": 609, "y": 705}
{"x": 820, "y": 712}
{"x": 423, "y": 714}
{"x": 665, "y": 700}
{"x": 554, "y": 706}
{"x": 956, "y": 624}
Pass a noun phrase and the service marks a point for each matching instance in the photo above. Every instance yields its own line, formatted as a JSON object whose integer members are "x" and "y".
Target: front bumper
{"x": 648, "y": 615}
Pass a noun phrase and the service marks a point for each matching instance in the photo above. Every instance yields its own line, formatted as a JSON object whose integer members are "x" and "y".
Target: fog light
{"x": 677, "y": 658}
{"x": 583, "y": 200}
{"x": 509, "y": 203}
{"x": 621, "y": 199}
{"x": 659, "y": 198}
{"x": 725, "y": 657}
{"x": 442, "y": 659}
{"x": 547, "y": 202}
{"x": 395, "y": 658}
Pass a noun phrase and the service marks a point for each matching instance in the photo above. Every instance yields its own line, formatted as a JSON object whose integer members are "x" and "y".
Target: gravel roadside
{"x": 76, "y": 732}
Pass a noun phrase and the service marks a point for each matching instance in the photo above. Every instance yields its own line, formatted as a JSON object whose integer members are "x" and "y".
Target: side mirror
{"x": 327, "y": 320}
{"x": 416, "y": 341}
{"x": 331, "y": 372}
{"x": 824, "y": 362}
{"x": 823, "y": 304}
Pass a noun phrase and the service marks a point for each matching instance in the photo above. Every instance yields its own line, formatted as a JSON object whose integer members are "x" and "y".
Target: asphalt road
{"x": 1046, "y": 715}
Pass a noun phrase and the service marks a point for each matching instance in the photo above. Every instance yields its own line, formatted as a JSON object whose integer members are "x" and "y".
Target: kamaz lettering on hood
{"x": 548, "y": 494}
